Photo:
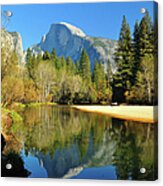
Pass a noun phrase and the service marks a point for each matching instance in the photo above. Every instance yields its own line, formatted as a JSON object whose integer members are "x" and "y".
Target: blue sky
{"x": 95, "y": 19}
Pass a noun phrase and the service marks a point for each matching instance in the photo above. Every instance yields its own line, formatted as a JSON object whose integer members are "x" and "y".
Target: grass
{"x": 40, "y": 104}
{"x": 11, "y": 113}
{"x": 10, "y": 120}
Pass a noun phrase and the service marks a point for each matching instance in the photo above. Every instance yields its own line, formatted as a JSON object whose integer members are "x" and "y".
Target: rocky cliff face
{"x": 69, "y": 40}
{"x": 14, "y": 42}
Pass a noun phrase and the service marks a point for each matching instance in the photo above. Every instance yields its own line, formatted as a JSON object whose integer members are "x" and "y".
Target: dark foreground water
{"x": 60, "y": 142}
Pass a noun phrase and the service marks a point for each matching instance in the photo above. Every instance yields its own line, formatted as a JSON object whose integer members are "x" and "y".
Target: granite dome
{"x": 68, "y": 40}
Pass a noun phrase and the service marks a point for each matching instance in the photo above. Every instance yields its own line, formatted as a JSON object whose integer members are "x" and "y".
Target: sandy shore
{"x": 147, "y": 114}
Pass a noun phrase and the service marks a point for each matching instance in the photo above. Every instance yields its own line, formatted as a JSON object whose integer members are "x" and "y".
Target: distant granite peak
{"x": 68, "y": 40}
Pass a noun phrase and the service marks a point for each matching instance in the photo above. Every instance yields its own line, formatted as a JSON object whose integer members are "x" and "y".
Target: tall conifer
{"x": 146, "y": 36}
{"x": 85, "y": 67}
{"x": 123, "y": 56}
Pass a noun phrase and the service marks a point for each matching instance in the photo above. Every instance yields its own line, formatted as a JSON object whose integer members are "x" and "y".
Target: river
{"x": 61, "y": 142}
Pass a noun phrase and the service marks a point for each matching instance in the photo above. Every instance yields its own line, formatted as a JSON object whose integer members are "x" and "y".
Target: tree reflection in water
{"x": 66, "y": 140}
{"x": 17, "y": 169}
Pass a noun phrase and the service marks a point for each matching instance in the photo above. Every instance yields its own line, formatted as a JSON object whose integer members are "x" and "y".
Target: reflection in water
{"x": 17, "y": 169}
{"x": 60, "y": 142}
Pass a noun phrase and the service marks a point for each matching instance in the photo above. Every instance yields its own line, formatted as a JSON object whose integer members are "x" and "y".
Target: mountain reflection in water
{"x": 60, "y": 142}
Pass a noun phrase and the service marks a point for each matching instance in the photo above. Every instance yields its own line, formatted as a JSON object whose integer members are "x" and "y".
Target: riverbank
{"x": 147, "y": 114}
{"x": 34, "y": 104}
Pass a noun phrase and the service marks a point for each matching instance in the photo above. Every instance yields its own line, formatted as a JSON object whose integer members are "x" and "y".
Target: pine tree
{"x": 143, "y": 51}
{"x": 53, "y": 57}
{"x": 155, "y": 37}
{"x": 123, "y": 56}
{"x": 142, "y": 91}
{"x": 39, "y": 58}
{"x": 95, "y": 74}
{"x": 102, "y": 78}
{"x": 85, "y": 67}
{"x": 53, "y": 54}
{"x": 46, "y": 55}
{"x": 77, "y": 64}
{"x": 109, "y": 72}
{"x": 29, "y": 55}
{"x": 99, "y": 80}
{"x": 146, "y": 46}
{"x": 62, "y": 63}
{"x": 155, "y": 53}
{"x": 32, "y": 65}
{"x": 145, "y": 36}
{"x": 29, "y": 63}
{"x": 58, "y": 62}
{"x": 70, "y": 65}
{"x": 136, "y": 52}
{"x": 109, "y": 80}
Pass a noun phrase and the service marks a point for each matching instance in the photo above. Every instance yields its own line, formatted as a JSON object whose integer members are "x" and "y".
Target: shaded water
{"x": 60, "y": 142}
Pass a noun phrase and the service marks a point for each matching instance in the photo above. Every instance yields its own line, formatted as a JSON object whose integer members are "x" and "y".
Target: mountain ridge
{"x": 69, "y": 40}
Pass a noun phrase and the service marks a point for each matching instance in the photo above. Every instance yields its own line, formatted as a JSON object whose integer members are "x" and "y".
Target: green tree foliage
{"x": 144, "y": 54}
{"x": 62, "y": 62}
{"x": 31, "y": 63}
{"x": 54, "y": 78}
{"x": 57, "y": 62}
{"x": 109, "y": 72}
{"x": 85, "y": 67}
{"x": 46, "y": 55}
{"x": 155, "y": 35}
{"x": 9, "y": 61}
{"x": 146, "y": 44}
{"x": 39, "y": 57}
{"x": 12, "y": 90}
{"x": 12, "y": 78}
{"x": 136, "y": 63}
{"x": 143, "y": 41}
{"x": 30, "y": 91}
{"x": 136, "y": 51}
{"x": 28, "y": 55}
{"x": 95, "y": 74}
{"x": 99, "y": 80}
{"x": 70, "y": 65}
{"x": 63, "y": 81}
{"x": 70, "y": 88}
{"x": 122, "y": 79}
{"x": 142, "y": 91}
{"x": 53, "y": 55}
{"x": 126, "y": 157}
{"x": 45, "y": 80}
{"x": 102, "y": 78}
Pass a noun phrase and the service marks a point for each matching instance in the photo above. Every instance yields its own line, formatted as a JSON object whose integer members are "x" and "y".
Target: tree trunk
{"x": 149, "y": 91}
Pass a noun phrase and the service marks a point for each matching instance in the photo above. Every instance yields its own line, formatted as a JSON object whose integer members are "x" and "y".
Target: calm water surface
{"x": 60, "y": 142}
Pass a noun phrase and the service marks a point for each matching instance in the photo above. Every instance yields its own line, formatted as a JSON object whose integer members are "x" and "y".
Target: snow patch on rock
{"x": 74, "y": 30}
